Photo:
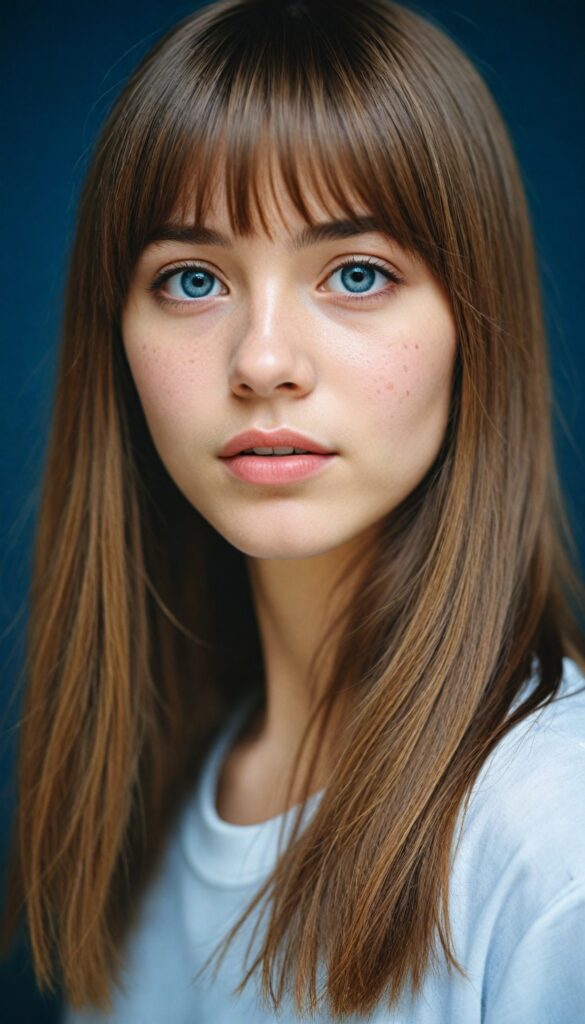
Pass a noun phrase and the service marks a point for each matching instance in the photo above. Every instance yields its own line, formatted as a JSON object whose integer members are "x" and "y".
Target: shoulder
{"x": 526, "y": 810}
{"x": 517, "y": 893}
{"x": 518, "y": 865}
{"x": 538, "y": 767}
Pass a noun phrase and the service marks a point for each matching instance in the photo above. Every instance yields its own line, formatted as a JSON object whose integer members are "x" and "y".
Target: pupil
{"x": 193, "y": 282}
{"x": 359, "y": 278}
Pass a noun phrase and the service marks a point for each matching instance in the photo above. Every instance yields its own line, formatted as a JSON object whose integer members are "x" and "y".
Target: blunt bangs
{"x": 294, "y": 119}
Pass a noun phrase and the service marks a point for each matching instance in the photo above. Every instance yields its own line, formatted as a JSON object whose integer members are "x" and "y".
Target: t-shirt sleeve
{"x": 543, "y": 981}
{"x": 525, "y": 865}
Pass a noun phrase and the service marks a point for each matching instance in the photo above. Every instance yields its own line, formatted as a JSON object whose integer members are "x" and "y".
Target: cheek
{"x": 414, "y": 378}
{"x": 408, "y": 393}
{"x": 172, "y": 384}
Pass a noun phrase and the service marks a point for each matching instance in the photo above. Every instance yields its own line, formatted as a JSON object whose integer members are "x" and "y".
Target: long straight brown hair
{"x": 137, "y": 604}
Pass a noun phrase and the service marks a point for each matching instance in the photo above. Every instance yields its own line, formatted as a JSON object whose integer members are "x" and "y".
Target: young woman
{"x": 305, "y": 733}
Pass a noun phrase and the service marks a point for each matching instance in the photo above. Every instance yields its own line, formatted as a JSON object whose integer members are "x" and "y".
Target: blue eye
{"x": 192, "y": 283}
{"x": 359, "y": 276}
{"x": 187, "y": 284}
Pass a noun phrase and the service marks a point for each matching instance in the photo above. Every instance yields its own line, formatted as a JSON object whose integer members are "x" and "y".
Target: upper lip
{"x": 282, "y": 437}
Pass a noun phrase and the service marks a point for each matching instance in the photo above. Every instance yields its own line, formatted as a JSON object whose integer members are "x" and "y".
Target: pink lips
{"x": 282, "y": 437}
{"x": 275, "y": 469}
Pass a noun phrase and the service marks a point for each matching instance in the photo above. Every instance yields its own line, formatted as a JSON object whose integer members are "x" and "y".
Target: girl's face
{"x": 258, "y": 333}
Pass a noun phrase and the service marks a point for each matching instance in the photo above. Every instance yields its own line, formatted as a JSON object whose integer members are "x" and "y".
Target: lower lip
{"x": 276, "y": 469}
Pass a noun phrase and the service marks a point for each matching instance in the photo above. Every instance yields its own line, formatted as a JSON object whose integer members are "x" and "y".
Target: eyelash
{"x": 164, "y": 275}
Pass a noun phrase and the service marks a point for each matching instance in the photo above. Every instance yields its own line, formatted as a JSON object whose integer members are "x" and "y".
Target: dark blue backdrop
{"x": 64, "y": 62}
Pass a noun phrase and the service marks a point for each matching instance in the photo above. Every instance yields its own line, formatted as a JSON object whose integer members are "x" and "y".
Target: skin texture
{"x": 281, "y": 341}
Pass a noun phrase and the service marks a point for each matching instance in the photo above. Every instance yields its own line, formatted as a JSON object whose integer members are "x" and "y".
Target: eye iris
{"x": 198, "y": 283}
{"x": 359, "y": 275}
{"x": 194, "y": 284}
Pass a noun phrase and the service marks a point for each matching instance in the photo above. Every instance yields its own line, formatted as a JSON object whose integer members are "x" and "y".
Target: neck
{"x": 296, "y": 600}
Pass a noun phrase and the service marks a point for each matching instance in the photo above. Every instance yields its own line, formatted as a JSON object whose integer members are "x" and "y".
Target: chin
{"x": 274, "y": 550}
{"x": 258, "y": 540}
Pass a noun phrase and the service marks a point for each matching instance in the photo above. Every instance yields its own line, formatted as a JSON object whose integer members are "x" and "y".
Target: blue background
{"x": 64, "y": 63}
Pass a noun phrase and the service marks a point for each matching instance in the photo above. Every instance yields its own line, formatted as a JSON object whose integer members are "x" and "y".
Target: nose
{"x": 272, "y": 350}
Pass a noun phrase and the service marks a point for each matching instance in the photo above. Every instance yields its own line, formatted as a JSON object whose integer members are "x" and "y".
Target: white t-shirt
{"x": 517, "y": 896}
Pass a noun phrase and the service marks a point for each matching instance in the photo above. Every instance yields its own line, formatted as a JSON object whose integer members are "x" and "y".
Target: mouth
{"x": 276, "y": 453}
{"x": 277, "y": 468}
{"x": 282, "y": 442}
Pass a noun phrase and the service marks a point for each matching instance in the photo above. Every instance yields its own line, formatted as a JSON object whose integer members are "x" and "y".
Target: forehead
{"x": 281, "y": 221}
{"x": 272, "y": 201}
{"x": 294, "y": 207}
{"x": 277, "y": 218}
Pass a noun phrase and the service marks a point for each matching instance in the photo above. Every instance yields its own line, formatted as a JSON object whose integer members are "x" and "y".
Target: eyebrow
{"x": 327, "y": 231}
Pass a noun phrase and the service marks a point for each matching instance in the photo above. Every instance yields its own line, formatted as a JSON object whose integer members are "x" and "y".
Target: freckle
{"x": 405, "y": 368}
{"x": 408, "y": 393}
{"x": 416, "y": 346}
